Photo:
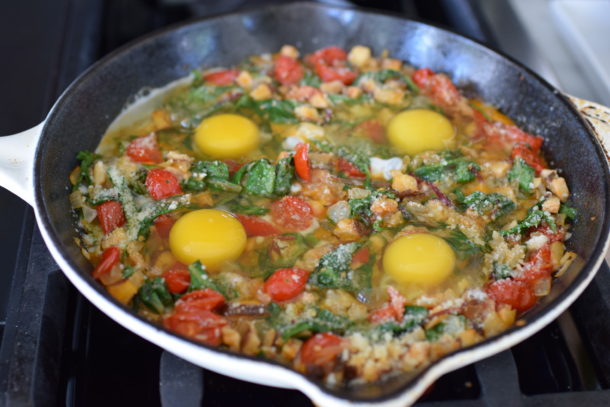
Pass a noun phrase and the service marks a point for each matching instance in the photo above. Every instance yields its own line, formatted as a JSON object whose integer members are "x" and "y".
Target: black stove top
{"x": 56, "y": 349}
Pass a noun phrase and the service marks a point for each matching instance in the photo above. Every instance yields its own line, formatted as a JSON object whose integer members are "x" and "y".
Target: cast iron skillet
{"x": 36, "y": 164}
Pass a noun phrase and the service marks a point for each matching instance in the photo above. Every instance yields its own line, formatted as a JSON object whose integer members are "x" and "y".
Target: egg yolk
{"x": 418, "y": 130}
{"x": 208, "y": 235}
{"x": 419, "y": 258}
{"x": 226, "y": 136}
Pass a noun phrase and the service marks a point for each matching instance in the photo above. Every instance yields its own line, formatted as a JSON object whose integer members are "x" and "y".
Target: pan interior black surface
{"x": 83, "y": 113}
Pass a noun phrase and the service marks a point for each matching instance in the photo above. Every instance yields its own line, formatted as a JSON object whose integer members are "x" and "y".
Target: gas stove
{"x": 57, "y": 349}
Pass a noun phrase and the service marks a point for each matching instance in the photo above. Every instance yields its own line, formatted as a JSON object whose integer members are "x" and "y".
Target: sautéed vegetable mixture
{"x": 347, "y": 215}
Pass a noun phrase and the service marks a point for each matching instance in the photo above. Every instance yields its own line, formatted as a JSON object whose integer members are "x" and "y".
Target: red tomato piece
{"x": 538, "y": 266}
{"x": 422, "y": 76}
{"x": 335, "y": 73}
{"x": 438, "y": 87}
{"x": 293, "y": 214}
{"x": 163, "y": 225}
{"x": 393, "y": 310}
{"x": 162, "y": 184}
{"x": 110, "y": 258}
{"x": 328, "y": 55}
{"x": 373, "y": 130}
{"x": 507, "y": 136}
{"x": 256, "y": 226}
{"x": 322, "y": 349}
{"x": 553, "y": 236}
{"x": 145, "y": 150}
{"x": 301, "y": 161}
{"x": 233, "y": 166}
{"x": 200, "y": 300}
{"x": 287, "y": 70}
{"x": 349, "y": 169}
{"x": 285, "y": 284}
{"x": 222, "y": 78}
{"x": 110, "y": 215}
{"x": 177, "y": 278}
{"x": 517, "y": 294}
{"x": 532, "y": 159}
{"x": 360, "y": 257}
{"x": 203, "y": 326}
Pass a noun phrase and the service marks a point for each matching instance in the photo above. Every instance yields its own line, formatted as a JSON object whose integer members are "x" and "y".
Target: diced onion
{"x": 338, "y": 211}
{"x": 542, "y": 287}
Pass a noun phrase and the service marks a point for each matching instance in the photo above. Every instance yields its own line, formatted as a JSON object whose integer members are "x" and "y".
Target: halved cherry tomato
{"x": 373, "y": 130}
{"x": 348, "y": 168}
{"x": 256, "y": 226}
{"x": 200, "y": 300}
{"x": 162, "y": 184}
{"x": 329, "y": 64}
{"x": 222, "y": 78}
{"x": 110, "y": 258}
{"x": 538, "y": 266}
{"x": 507, "y": 136}
{"x": 145, "y": 150}
{"x": 322, "y": 349}
{"x": 110, "y": 215}
{"x": 438, "y": 87}
{"x": 517, "y": 294}
{"x": 328, "y": 55}
{"x": 335, "y": 73}
{"x": 532, "y": 159}
{"x": 203, "y": 326}
{"x": 285, "y": 284}
{"x": 301, "y": 161}
{"x": 393, "y": 310}
{"x": 177, "y": 278}
{"x": 293, "y": 214}
{"x": 163, "y": 225}
{"x": 287, "y": 70}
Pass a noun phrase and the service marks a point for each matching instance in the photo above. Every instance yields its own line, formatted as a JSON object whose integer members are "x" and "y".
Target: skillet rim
{"x": 589, "y": 268}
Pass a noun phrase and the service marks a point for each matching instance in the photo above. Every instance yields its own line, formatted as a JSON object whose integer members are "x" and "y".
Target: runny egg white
{"x": 211, "y": 236}
{"x": 418, "y": 130}
{"x": 227, "y": 136}
{"x": 419, "y": 258}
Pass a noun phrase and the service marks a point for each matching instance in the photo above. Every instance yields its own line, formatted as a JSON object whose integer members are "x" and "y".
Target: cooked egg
{"x": 419, "y": 258}
{"x": 226, "y": 136}
{"x": 211, "y": 236}
{"x": 418, "y": 130}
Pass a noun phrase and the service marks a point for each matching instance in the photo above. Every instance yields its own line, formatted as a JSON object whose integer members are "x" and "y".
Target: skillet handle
{"x": 17, "y": 162}
{"x": 598, "y": 117}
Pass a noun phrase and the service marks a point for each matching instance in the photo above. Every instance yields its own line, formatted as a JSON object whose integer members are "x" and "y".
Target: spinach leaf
{"x": 273, "y": 110}
{"x": 463, "y": 247}
{"x": 200, "y": 279}
{"x": 334, "y": 267}
{"x": 414, "y": 316}
{"x": 214, "y": 168}
{"x": 459, "y": 169}
{"x": 145, "y": 218}
{"x": 495, "y": 205}
{"x": 523, "y": 174}
{"x": 247, "y": 209}
{"x": 453, "y": 324}
{"x": 87, "y": 158}
{"x": 323, "y": 321}
{"x": 259, "y": 179}
{"x": 99, "y": 196}
{"x": 311, "y": 79}
{"x": 535, "y": 216}
{"x": 211, "y": 174}
{"x": 500, "y": 271}
{"x": 128, "y": 271}
{"x": 284, "y": 175}
{"x": 154, "y": 295}
{"x": 138, "y": 182}
{"x": 568, "y": 211}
